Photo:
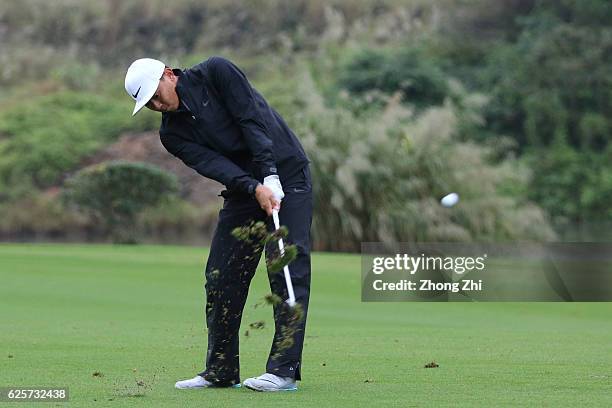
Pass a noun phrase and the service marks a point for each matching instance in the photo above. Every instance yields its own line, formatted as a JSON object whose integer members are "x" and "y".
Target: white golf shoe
{"x": 197, "y": 382}
{"x": 270, "y": 382}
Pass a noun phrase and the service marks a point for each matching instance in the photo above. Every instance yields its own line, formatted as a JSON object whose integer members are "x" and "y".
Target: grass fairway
{"x": 135, "y": 313}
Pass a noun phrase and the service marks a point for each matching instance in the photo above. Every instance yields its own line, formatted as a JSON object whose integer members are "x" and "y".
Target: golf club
{"x": 281, "y": 247}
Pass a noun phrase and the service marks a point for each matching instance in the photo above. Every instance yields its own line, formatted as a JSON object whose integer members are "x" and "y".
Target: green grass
{"x": 136, "y": 314}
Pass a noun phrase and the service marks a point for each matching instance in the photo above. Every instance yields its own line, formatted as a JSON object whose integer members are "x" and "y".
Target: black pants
{"x": 231, "y": 266}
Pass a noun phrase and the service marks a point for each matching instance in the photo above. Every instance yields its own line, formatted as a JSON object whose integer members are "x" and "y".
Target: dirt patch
{"x": 258, "y": 325}
{"x": 138, "y": 387}
{"x": 146, "y": 147}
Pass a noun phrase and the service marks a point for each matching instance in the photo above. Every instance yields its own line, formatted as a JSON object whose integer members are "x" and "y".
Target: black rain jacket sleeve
{"x": 238, "y": 97}
{"x": 209, "y": 163}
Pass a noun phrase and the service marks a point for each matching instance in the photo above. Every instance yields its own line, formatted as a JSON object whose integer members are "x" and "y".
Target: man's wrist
{"x": 269, "y": 171}
{"x": 253, "y": 187}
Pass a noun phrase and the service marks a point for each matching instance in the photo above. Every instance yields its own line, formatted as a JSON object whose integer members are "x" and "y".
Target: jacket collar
{"x": 181, "y": 90}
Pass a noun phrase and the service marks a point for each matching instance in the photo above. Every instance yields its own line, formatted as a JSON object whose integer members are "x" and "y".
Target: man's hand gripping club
{"x": 269, "y": 194}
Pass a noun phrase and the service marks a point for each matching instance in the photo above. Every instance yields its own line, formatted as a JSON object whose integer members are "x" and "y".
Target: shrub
{"x": 115, "y": 193}
{"x": 38, "y": 215}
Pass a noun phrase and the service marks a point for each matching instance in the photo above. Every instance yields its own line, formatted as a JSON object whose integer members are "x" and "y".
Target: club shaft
{"x": 281, "y": 247}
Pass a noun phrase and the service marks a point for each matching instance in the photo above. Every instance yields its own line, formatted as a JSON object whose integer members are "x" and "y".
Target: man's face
{"x": 165, "y": 98}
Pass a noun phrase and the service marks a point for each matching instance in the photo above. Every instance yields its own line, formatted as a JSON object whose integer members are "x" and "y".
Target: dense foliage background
{"x": 508, "y": 103}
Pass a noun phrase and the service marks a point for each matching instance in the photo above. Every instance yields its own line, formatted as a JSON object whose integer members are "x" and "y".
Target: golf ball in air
{"x": 450, "y": 199}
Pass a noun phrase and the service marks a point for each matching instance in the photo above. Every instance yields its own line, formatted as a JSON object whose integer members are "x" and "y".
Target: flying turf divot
{"x": 257, "y": 235}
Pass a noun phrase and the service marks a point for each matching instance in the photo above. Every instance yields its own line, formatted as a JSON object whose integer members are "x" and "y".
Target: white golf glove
{"x": 274, "y": 184}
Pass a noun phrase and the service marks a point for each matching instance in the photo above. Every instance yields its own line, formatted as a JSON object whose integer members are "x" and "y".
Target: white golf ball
{"x": 450, "y": 199}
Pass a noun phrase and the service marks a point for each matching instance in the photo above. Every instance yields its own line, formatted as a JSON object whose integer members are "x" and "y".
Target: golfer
{"x": 220, "y": 126}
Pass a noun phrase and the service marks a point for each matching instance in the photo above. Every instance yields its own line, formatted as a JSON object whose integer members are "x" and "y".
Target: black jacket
{"x": 225, "y": 130}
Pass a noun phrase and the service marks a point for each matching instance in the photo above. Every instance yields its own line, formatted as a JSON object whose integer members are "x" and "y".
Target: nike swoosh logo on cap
{"x": 136, "y": 94}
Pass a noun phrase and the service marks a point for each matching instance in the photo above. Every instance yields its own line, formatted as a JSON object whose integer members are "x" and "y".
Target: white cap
{"x": 142, "y": 79}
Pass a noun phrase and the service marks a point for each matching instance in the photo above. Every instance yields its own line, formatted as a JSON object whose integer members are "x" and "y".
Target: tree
{"x": 408, "y": 70}
{"x": 553, "y": 85}
{"x": 573, "y": 186}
